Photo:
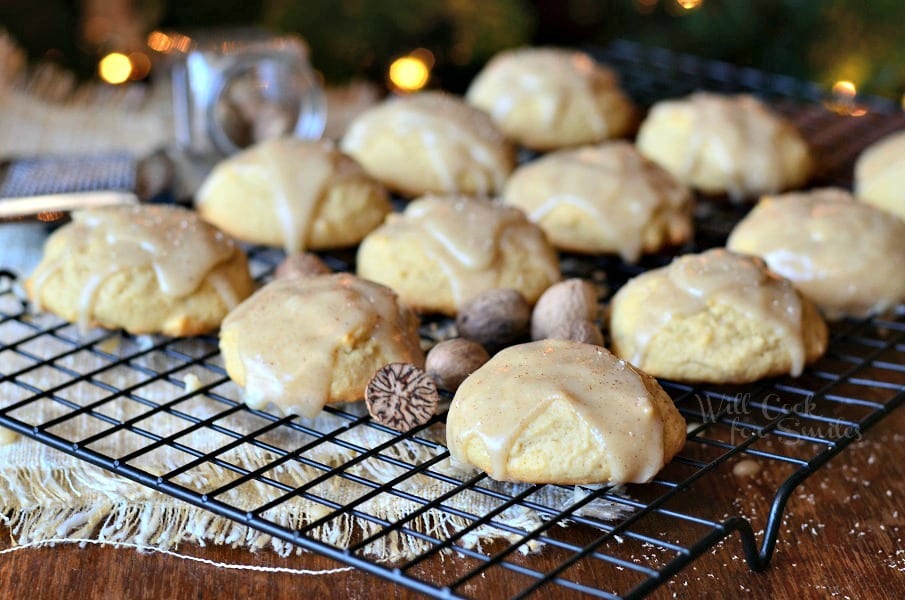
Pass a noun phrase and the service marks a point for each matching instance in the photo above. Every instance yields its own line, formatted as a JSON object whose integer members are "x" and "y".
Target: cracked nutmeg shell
{"x": 401, "y": 395}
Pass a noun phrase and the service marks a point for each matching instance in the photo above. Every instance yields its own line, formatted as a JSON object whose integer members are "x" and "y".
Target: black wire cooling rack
{"x": 795, "y": 425}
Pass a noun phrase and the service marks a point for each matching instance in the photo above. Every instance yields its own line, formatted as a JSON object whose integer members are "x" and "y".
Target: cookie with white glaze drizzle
{"x": 144, "y": 268}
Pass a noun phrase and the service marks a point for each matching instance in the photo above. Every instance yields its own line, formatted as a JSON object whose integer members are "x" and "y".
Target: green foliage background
{"x": 822, "y": 40}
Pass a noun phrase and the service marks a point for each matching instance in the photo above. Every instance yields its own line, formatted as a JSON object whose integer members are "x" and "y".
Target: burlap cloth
{"x": 48, "y": 495}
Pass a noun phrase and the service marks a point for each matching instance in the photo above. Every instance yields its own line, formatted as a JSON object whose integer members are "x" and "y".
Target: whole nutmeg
{"x": 451, "y": 361}
{"x": 579, "y": 330}
{"x": 569, "y": 300}
{"x": 301, "y": 265}
{"x": 495, "y": 318}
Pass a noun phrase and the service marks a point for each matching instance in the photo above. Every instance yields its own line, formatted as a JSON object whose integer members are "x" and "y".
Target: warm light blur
{"x": 159, "y": 41}
{"x": 141, "y": 65}
{"x": 903, "y": 101}
{"x": 845, "y": 88}
{"x": 165, "y": 43}
{"x": 689, "y": 4}
{"x": 409, "y": 73}
{"x": 843, "y": 99}
{"x": 115, "y": 68}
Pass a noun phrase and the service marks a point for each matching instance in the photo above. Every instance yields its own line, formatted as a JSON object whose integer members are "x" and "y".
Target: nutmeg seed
{"x": 580, "y": 330}
{"x": 495, "y": 318}
{"x": 401, "y": 395}
{"x": 451, "y": 361}
{"x": 301, "y": 265}
{"x": 569, "y": 300}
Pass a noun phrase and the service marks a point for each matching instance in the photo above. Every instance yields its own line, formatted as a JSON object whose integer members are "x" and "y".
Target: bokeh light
{"x": 409, "y": 73}
{"x": 141, "y": 65}
{"x": 845, "y": 88}
{"x": 115, "y": 68}
{"x": 689, "y": 4}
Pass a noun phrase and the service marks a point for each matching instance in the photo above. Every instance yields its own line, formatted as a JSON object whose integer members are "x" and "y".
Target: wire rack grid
{"x": 620, "y": 543}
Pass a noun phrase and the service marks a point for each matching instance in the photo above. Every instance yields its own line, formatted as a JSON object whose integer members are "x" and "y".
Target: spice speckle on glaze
{"x": 499, "y": 402}
{"x": 181, "y": 249}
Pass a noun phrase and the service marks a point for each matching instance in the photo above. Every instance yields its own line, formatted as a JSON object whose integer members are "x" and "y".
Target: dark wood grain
{"x": 841, "y": 537}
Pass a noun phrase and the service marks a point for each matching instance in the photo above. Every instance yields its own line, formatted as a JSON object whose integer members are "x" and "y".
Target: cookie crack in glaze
{"x": 180, "y": 248}
{"x": 717, "y": 276}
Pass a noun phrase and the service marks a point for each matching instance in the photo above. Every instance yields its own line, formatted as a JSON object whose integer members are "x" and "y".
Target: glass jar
{"x": 234, "y": 88}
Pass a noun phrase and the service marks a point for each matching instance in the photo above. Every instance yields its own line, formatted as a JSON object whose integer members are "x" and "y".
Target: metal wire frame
{"x": 861, "y": 380}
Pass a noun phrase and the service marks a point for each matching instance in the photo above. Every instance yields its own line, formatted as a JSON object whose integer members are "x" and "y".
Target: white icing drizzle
{"x": 466, "y": 236}
{"x": 549, "y": 78}
{"x": 460, "y": 142}
{"x": 180, "y": 248}
{"x": 299, "y": 173}
{"x": 740, "y": 136}
{"x": 612, "y": 183}
{"x": 879, "y": 171}
{"x": 847, "y": 256}
{"x": 290, "y": 333}
{"x": 497, "y": 403}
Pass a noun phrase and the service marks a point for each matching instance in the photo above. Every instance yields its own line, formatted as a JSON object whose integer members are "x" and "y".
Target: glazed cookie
{"x": 880, "y": 174}
{"x": 304, "y": 342}
{"x": 725, "y": 144}
{"x": 431, "y": 142}
{"x": 292, "y": 193}
{"x": 443, "y": 251}
{"x": 143, "y": 268}
{"x": 603, "y": 199}
{"x": 548, "y": 98}
{"x": 563, "y": 412}
{"x": 845, "y": 255}
{"x": 715, "y": 317}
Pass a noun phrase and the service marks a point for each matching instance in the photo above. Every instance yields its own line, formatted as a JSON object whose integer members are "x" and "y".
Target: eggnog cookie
{"x": 548, "y": 98}
{"x": 143, "y": 268}
{"x": 292, "y": 193}
{"x": 563, "y": 412}
{"x": 443, "y": 251}
{"x": 725, "y": 144}
{"x": 303, "y": 342}
{"x": 715, "y": 317}
{"x": 431, "y": 142}
{"x": 880, "y": 174}
{"x": 603, "y": 199}
{"x": 844, "y": 255}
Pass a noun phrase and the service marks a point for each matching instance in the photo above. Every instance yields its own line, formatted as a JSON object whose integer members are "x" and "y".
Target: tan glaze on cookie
{"x": 297, "y": 377}
{"x": 524, "y": 380}
{"x": 878, "y": 169}
{"x": 845, "y": 255}
{"x": 640, "y": 188}
{"x": 546, "y": 77}
{"x": 745, "y": 135}
{"x": 690, "y": 282}
{"x": 180, "y": 248}
{"x": 455, "y": 138}
{"x": 298, "y": 172}
{"x": 465, "y": 236}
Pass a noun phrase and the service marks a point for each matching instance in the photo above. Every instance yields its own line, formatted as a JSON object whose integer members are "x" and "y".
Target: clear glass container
{"x": 234, "y": 88}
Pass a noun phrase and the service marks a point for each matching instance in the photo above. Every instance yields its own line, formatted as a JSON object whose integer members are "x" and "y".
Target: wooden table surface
{"x": 841, "y": 538}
